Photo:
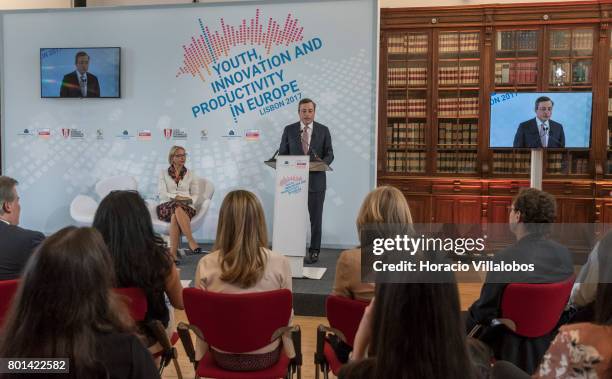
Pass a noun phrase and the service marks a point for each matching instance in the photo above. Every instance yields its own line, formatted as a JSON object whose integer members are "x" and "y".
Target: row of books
{"x": 516, "y": 72}
{"x": 461, "y": 106}
{"x": 407, "y": 108}
{"x": 459, "y": 42}
{"x": 456, "y": 162}
{"x": 580, "y": 70}
{"x": 610, "y": 71}
{"x": 406, "y": 133}
{"x": 458, "y": 75}
{"x": 580, "y": 166}
{"x": 525, "y": 40}
{"x": 457, "y": 134}
{"x": 609, "y": 132}
{"x": 406, "y": 161}
{"x": 407, "y": 76}
{"x": 609, "y": 113}
{"x": 581, "y": 40}
{"x": 609, "y": 166}
{"x": 510, "y": 163}
{"x": 407, "y": 44}
{"x": 555, "y": 164}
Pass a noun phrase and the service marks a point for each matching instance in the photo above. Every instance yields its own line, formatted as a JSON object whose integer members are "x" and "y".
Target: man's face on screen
{"x": 544, "y": 110}
{"x": 307, "y": 113}
{"x": 82, "y": 64}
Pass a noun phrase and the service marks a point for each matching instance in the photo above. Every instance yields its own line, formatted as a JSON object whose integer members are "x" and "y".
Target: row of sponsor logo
{"x": 144, "y": 134}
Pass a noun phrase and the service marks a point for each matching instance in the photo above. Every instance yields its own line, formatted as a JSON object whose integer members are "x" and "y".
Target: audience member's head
{"x": 532, "y": 211}
{"x": 383, "y": 210}
{"x": 10, "y": 208}
{"x": 417, "y": 331}
{"x": 64, "y": 301}
{"x": 139, "y": 255}
{"x": 241, "y": 237}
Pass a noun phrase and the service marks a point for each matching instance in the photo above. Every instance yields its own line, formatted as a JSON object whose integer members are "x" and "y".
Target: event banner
{"x": 221, "y": 79}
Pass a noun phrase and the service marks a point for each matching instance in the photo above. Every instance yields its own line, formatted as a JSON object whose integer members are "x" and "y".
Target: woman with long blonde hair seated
{"x": 383, "y": 206}
{"x": 242, "y": 263}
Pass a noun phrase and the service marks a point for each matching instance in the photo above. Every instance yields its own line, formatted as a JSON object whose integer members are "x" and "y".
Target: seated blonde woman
{"x": 384, "y": 205}
{"x": 178, "y": 193}
{"x": 242, "y": 263}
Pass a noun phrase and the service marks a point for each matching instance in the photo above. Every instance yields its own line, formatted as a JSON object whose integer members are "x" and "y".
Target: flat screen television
{"x": 86, "y": 72}
{"x": 533, "y": 120}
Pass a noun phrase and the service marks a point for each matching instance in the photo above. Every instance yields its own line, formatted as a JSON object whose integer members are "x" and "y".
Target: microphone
{"x": 298, "y": 139}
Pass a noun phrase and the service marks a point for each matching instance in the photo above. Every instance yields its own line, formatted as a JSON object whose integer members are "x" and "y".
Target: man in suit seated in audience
{"x": 17, "y": 244}
{"x": 531, "y": 215}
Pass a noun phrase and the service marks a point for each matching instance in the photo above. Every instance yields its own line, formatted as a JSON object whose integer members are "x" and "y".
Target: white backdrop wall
{"x": 339, "y": 74}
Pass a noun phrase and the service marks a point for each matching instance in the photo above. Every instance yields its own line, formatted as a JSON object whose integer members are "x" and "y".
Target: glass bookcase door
{"x": 407, "y": 62}
{"x": 570, "y": 68}
{"x": 516, "y": 70}
{"x": 458, "y": 83}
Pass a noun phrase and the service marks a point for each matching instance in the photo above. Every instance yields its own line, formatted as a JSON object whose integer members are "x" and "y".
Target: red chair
{"x": 8, "y": 288}
{"x": 137, "y": 303}
{"x": 534, "y": 309}
{"x": 344, "y": 316}
{"x": 529, "y": 315}
{"x": 239, "y": 323}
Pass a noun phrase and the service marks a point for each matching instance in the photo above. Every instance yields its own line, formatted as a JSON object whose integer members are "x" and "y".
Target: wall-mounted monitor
{"x": 535, "y": 120}
{"x": 85, "y": 72}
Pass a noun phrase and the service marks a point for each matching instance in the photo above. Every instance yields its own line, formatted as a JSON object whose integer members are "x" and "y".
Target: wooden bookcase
{"x": 438, "y": 67}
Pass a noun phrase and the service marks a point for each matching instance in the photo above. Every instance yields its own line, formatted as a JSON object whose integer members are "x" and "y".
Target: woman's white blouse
{"x": 188, "y": 187}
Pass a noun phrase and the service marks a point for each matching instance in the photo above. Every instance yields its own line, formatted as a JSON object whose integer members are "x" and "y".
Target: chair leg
{"x": 317, "y": 368}
{"x": 177, "y": 367}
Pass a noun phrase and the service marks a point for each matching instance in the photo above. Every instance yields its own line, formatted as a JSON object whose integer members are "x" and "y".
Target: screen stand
{"x": 537, "y": 168}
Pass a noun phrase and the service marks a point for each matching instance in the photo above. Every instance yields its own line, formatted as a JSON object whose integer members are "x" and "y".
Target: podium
{"x": 291, "y": 222}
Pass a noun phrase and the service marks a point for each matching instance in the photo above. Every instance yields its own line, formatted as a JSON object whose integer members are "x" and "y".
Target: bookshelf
{"x": 407, "y": 81}
{"x": 516, "y": 70}
{"x": 608, "y": 168}
{"x": 570, "y": 68}
{"x": 457, "y": 110}
{"x": 439, "y": 66}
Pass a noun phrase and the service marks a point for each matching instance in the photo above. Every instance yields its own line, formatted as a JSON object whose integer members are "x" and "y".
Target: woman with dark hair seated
{"x": 582, "y": 350}
{"x": 139, "y": 256}
{"x": 241, "y": 263}
{"x": 65, "y": 308}
{"x": 412, "y": 330}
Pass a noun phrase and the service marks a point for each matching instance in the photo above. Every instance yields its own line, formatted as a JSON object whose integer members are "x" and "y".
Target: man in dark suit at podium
{"x": 17, "y": 244}
{"x": 80, "y": 83}
{"x": 308, "y": 137}
{"x": 540, "y": 131}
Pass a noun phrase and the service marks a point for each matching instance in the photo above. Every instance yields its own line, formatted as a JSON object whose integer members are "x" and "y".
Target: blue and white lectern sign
{"x": 290, "y": 210}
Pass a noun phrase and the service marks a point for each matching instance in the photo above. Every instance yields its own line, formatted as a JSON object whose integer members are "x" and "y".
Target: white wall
{"x": 154, "y": 42}
{"x": 383, "y": 3}
{"x": 34, "y": 4}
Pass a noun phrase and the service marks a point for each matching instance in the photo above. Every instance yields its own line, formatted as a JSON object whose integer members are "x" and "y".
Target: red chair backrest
{"x": 535, "y": 308}
{"x": 238, "y": 323}
{"x": 136, "y": 301}
{"x": 8, "y": 288}
{"x": 345, "y": 314}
